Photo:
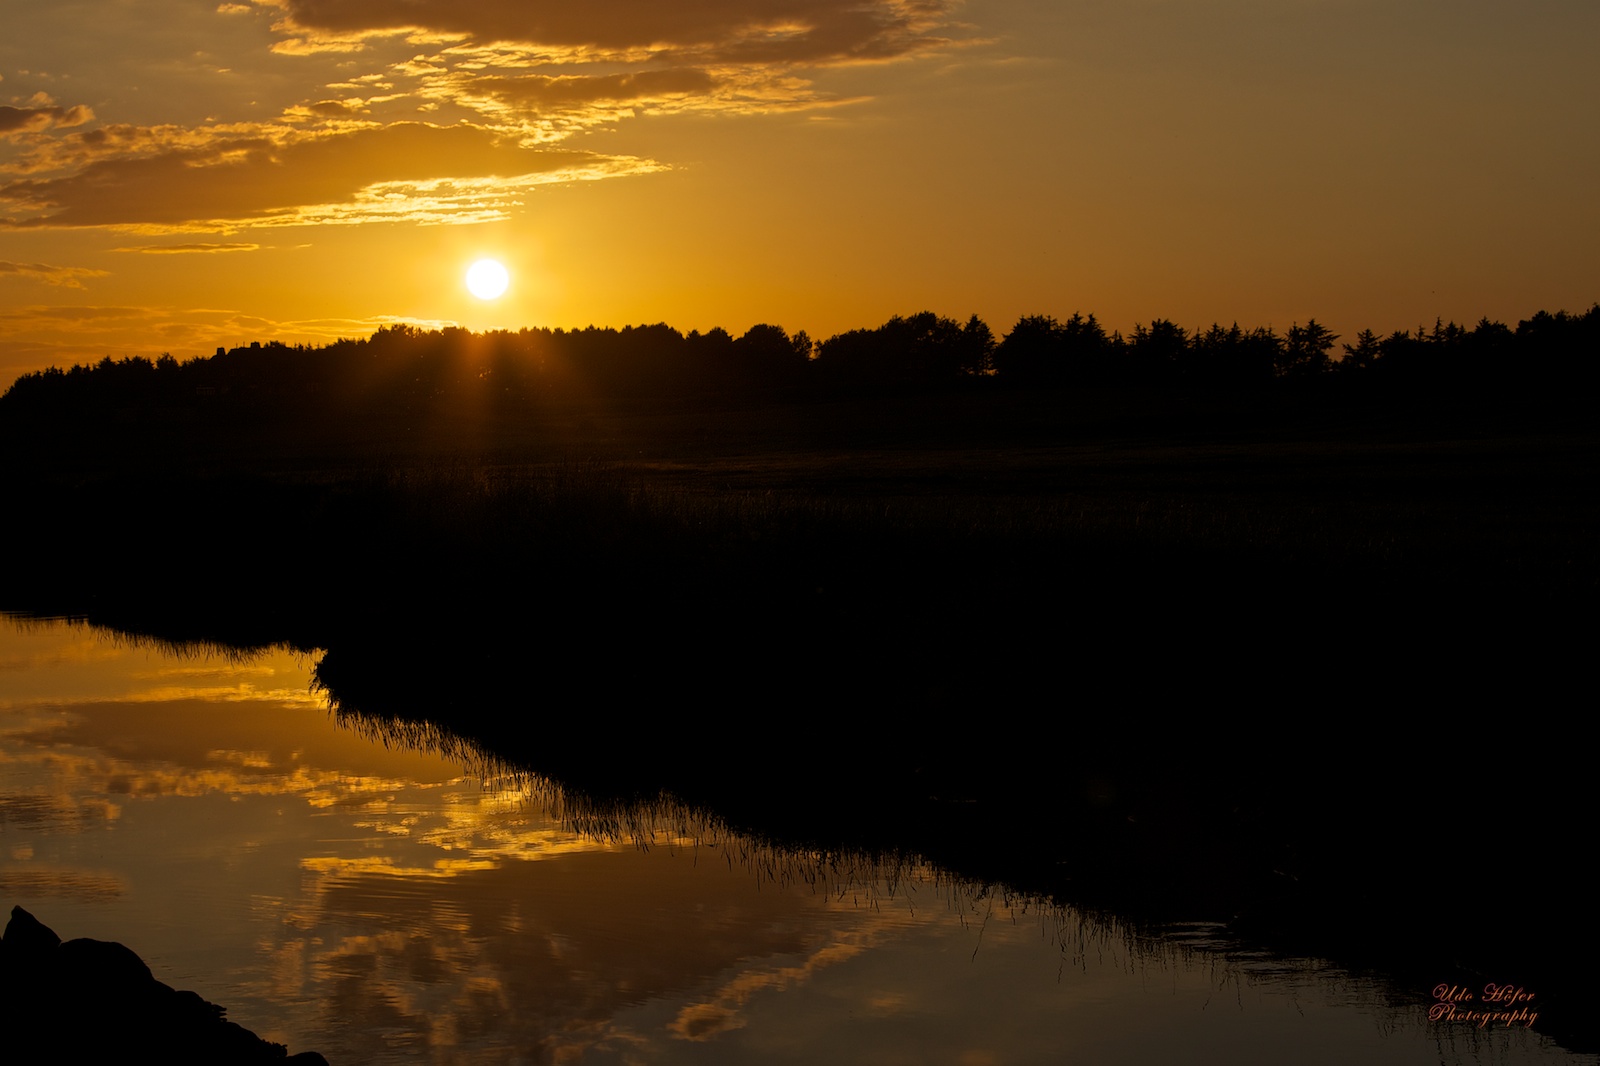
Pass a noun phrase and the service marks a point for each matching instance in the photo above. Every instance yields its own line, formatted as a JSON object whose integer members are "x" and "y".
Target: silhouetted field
{"x": 947, "y": 546}
{"x": 1111, "y": 498}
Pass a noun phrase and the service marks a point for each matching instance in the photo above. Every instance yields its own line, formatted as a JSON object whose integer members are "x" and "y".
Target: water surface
{"x": 384, "y": 905}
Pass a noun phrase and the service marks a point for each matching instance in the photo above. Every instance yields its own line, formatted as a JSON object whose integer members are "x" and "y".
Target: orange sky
{"x": 177, "y": 175}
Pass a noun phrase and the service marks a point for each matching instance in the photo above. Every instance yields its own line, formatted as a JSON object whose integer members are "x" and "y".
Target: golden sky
{"x": 180, "y": 174}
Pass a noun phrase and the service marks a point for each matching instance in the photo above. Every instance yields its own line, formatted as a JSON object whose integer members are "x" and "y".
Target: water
{"x": 383, "y": 905}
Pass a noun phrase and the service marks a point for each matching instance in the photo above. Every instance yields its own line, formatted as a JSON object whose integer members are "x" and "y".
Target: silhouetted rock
{"x": 93, "y": 1000}
{"x": 27, "y": 941}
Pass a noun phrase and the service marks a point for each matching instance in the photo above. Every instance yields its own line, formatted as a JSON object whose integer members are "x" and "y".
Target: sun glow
{"x": 487, "y": 279}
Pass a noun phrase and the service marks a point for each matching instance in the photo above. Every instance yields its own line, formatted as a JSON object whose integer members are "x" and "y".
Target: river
{"x": 343, "y": 894}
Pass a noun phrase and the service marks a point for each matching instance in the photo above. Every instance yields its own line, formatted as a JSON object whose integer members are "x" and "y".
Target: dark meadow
{"x": 1223, "y": 625}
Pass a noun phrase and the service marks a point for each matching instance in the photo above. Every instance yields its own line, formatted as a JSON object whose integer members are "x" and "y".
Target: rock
{"x": 27, "y": 939}
{"x": 95, "y": 1000}
{"x": 102, "y": 964}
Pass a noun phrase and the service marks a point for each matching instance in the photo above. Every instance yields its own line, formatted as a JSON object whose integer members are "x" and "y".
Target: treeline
{"x": 409, "y": 366}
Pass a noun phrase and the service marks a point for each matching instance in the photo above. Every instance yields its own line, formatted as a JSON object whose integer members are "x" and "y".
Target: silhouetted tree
{"x": 1032, "y": 353}
{"x": 1156, "y": 353}
{"x": 1041, "y": 351}
{"x": 1232, "y": 357}
{"x": 1361, "y": 355}
{"x": 768, "y": 354}
{"x": 923, "y": 348}
{"x": 1305, "y": 349}
{"x": 978, "y": 345}
{"x": 1488, "y": 351}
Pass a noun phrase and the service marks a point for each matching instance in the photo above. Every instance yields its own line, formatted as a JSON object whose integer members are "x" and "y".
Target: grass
{"x": 962, "y": 528}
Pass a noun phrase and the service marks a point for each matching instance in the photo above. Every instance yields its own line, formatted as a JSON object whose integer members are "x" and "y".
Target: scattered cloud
{"x": 17, "y": 120}
{"x": 64, "y": 335}
{"x": 239, "y": 326}
{"x": 782, "y": 31}
{"x": 409, "y": 171}
{"x": 542, "y": 91}
{"x": 71, "y": 313}
{"x": 55, "y": 155}
{"x": 557, "y": 70}
{"x": 188, "y": 249}
{"x": 67, "y": 277}
{"x": 503, "y": 81}
{"x": 330, "y": 109}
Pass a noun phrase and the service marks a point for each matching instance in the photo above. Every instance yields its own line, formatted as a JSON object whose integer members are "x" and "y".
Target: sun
{"x": 487, "y": 279}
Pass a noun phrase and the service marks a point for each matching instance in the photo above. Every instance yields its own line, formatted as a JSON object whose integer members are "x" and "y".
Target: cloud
{"x": 125, "y": 140}
{"x": 67, "y": 277}
{"x": 541, "y": 92}
{"x": 403, "y": 172}
{"x": 335, "y": 108}
{"x": 15, "y": 120}
{"x": 554, "y": 69}
{"x": 188, "y": 249}
{"x": 71, "y": 314}
{"x": 204, "y": 319}
{"x": 517, "y": 78}
{"x": 550, "y": 107}
{"x": 784, "y": 31}
{"x": 64, "y": 335}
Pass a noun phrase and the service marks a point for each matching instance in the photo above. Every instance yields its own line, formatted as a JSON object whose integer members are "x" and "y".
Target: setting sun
{"x": 487, "y": 279}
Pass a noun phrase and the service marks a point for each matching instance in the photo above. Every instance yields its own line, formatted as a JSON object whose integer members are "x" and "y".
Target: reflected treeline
{"x": 832, "y": 853}
{"x": 628, "y": 809}
{"x": 402, "y": 367}
{"x": 1380, "y": 841}
{"x": 1316, "y": 828}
